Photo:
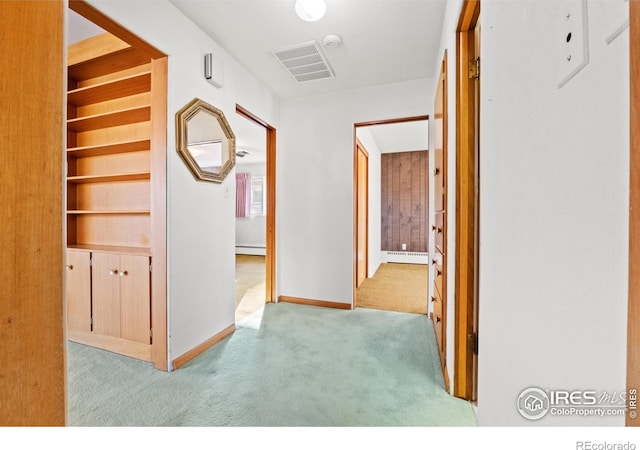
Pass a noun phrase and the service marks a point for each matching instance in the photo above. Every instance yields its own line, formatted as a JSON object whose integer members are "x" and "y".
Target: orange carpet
{"x": 396, "y": 287}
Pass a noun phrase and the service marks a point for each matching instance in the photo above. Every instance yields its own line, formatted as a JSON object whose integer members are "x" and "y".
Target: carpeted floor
{"x": 286, "y": 365}
{"x": 250, "y": 285}
{"x": 396, "y": 287}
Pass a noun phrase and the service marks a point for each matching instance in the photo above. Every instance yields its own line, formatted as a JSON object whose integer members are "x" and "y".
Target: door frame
{"x": 270, "y": 258}
{"x": 467, "y": 189}
{"x": 159, "y": 64}
{"x": 361, "y": 149}
{"x": 355, "y": 187}
{"x": 633, "y": 312}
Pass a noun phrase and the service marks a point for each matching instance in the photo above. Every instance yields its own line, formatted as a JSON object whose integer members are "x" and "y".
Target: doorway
{"x": 391, "y": 214}
{"x": 255, "y": 213}
{"x": 467, "y": 202}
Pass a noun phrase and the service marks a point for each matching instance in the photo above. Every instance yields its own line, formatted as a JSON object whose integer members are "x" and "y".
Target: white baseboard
{"x": 405, "y": 257}
{"x": 260, "y": 251}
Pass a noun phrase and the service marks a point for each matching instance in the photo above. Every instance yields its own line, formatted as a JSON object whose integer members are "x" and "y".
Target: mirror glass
{"x": 205, "y": 141}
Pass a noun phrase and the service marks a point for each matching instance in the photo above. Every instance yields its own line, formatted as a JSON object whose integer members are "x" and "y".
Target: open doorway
{"x": 255, "y": 212}
{"x": 391, "y": 215}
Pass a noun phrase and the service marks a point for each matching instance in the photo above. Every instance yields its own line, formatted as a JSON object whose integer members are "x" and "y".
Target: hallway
{"x": 286, "y": 365}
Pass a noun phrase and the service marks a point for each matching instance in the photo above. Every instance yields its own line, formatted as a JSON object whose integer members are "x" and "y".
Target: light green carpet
{"x": 286, "y": 365}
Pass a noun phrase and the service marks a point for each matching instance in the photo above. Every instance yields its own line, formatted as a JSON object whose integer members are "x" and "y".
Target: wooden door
{"x": 439, "y": 229}
{"x": 78, "y": 290}
{"x": 362, "y": 214}
{"x": 135, "y": 307}
{"x": 106, "y": 294}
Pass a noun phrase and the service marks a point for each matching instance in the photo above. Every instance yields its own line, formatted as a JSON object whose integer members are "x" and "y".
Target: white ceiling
{"x": 384, "y": 41}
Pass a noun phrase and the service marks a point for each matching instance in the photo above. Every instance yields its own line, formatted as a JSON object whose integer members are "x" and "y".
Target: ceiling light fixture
{"x": 311, "y": 10}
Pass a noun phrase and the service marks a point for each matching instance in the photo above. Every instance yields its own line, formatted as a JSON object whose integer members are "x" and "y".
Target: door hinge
{"x": 150, "y": 332}
{"x": 150, "y": 267}
{"x": 473, "y": 342}
{"x": 474, "y": 69}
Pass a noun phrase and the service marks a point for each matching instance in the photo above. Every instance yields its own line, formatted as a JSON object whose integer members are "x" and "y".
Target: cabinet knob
{"x": 433, "y": 299}
{"x": 439, "y": 230}
{"x": 439, "y": 272}
{"x": 437, "y": 319}
{"x": 434, "y": 261}
{"x": 70, "y": 266}
{"x": 436, "y": 171}
{"x": 433, "y": 228}
{"x": 124, "y": 273}
{"x": 113, "y": 272}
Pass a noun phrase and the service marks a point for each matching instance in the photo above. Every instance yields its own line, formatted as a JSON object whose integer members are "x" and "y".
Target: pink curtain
{"x": 243, "y": 194}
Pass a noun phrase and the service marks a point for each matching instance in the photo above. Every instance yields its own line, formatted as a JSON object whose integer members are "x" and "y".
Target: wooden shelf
{"x": 143, "y": 251}
{"x": 102, "y": 64}
{"x": 112, "y": 119}
{"x": 117, "y": 212}
{"x": 110, "y": 149}
{"x": 122, "y": 87}
{"x": 110, "y": 178}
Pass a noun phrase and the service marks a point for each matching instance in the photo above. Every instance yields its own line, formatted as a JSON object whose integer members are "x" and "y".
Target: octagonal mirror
{"x": 205, "y": 141}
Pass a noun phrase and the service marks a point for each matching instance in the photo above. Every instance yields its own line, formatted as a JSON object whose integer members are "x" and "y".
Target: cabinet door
{"x": 78, "y": 290}
{"x": 106, "y": 294}
{"x": 135, "y": 303}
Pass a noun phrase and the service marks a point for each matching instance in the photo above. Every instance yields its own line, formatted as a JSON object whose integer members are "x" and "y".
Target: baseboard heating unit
{"x": 405, "y": 257}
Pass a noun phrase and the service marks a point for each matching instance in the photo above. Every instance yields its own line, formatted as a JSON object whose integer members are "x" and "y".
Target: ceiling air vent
{"x": 305, "y": 62}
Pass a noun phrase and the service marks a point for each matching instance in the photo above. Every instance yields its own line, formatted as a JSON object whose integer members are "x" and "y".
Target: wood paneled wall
{"x": 405, "y": 196}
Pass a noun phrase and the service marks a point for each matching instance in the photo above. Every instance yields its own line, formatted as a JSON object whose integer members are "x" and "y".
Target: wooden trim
{"x": 359, "y": 148}
{"x": 32, "y": 349}
{"x": 111, "y": 343}
{"x": 270, "y": 251}
{"x": 445, "y": 233}
{"x": 469, "y": 15}
{"x": 309, "y": 302}
{"x": 252, "y": 117}
{"x": 466, "y": 206}
{"x": 94, "y": 15}
{"x": 389, "y": 121}
{"x": 159, "y": 86}
{"x": 201, "y": 348}
{"x": 633, "y": 314}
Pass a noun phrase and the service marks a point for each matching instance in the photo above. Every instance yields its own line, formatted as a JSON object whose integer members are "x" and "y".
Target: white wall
{"x": 315, "y": 183}
{"x": 251, "y": 232}
{"x": 554, "y": 212}
{"x": 375, "y": 199}
{"x": 201, "y": 216}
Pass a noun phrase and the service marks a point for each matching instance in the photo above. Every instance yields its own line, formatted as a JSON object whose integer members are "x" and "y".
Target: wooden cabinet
{"x": 116, "y": 195}
{"x": 78, "y": 275}
{"x": 439, "y": 227}
{"x": 121, "y": 296}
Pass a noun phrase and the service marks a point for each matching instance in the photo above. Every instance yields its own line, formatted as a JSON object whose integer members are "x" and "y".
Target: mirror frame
{"x": 182, "y": 119}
